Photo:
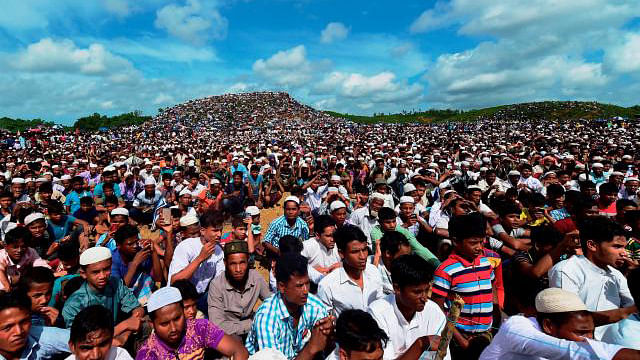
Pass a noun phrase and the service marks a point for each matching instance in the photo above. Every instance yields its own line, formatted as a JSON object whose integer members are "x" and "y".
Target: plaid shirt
{"x": 273, "y": 326}
{"x": 280, "y": 227}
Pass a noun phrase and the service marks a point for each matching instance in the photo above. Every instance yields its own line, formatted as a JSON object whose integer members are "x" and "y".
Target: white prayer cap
{"x": 33, "y": 217}
{"x": 188, "y": 220}
{"x": 409, "y": 187}
{"x": 28, "y": 180}
{"x": 292, "y": 198}
{"x": 109, "y": 168}
{"x": 268, "y": 354}
{"x": 162, "y": 297}
{"x": 184, "y": 191}
{"x": 252, "y": 210}
{"x": 584, "y": 177}
{"x": 597, "y": 165}
{"x": 627, "y": 157}
{"x": 406, "y": 199}
{"x": 149, "y": 180}
{"x": 484, "y": 168}
{"x": 17, "y": 180}
{"x": 616, "y": 173}
{"x": 632, "y": 178}
{"x": 156, "y": 167}
{"x": 556, "y": 300}
{"x": 335, "y": 205}
{"x": 93, "y": 166}
{"x": 376, "y": 195}
{"x": 332, "y": 189}
{"x": 580, "y": 166}
{"x": 94, "y": 255}
{"x": 335, "y": 178}
{"x": 514, "y": 173}
{"x": 65, "y": 177}
{"x": 41, "y": 179}
{"x": 474, "y": 188}
{"x": 120, "y": 211}
{"x": 214, "y": 181}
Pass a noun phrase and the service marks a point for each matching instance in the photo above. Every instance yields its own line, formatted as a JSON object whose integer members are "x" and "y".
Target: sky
{"x": 63, "y": 59}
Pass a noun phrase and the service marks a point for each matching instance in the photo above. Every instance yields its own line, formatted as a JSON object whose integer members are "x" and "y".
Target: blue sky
{"x": 63, "y": 59}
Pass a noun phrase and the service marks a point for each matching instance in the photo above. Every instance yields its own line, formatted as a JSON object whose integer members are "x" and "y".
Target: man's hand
{"x": 50, "y": 315}
{"x": 430, "y": 342}
{"x": 320, "y": 334}
{"x": 141, "y": 256}
{"x": 207, "y": 250}
{"x": 133, "y": 323}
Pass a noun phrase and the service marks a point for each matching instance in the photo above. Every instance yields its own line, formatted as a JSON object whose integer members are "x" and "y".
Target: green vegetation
{"x": 97, "y": 121}
{"x": 15, "y": 125}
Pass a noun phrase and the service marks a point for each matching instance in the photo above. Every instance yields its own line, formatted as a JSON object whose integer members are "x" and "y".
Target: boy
{"x": 256, "y": 228}
{"x": 238, "y": 231}
{"x": 87, "y": 211}
{"x": 36, "y": 283}
{"x": 60, "y": 224}
{"x": 92, "y": 334}
{"x": 69, "y": 268}
{"x": 17, "y": 256}
{"x": 189, "y": 299}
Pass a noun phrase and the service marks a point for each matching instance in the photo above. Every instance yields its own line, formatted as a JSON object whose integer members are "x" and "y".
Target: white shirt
{"x": 402, "y": 334}
{"x": 364, "y": 221}
{"x": 318, "y": 254}
{"x": 606, "y": 290}
{"x": 521, "y": 338}
{"x": 532, "y": 183}
{"x": 115, "y": 353}
{"x": 340, "y": 292}
{"x": 186, "y": 252}
{"x": 313, "y": 198}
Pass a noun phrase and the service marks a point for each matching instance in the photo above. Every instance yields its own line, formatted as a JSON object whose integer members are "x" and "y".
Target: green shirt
{"x": 116, "y": 297}
{"x": 423, "y": 252}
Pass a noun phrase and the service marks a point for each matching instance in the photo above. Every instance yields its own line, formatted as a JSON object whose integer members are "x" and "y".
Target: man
{"x": 607, "y": 296}
{"x": 92, "y": 334}
{"x": 100, "y": 288}
{"x": 367, "y": 217}
{"x": 292, "y": 321}
{"x": 562, "y": 329}
{"x": 174, "y": 337}
{"x": 357, "y": 283}
{"x": 288, "y": 224}
{"x": 232, "y": 298}
{"x": 321, "y": 250}
{"x": 200, "y": 259}
{"x": 392, "y": 245}
{"x": 20, "y": 340}
{"x": 630, "y": 189}
{"x": 387, "y": 220}
{"x": 146, "y": 201}
{"x": 358, "y": 337}
{"x": 412, "y": 321}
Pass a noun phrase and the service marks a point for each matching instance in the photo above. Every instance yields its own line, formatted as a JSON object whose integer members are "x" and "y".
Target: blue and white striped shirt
{"x": 273, "y": 326}
{"x": 280, "y": 227}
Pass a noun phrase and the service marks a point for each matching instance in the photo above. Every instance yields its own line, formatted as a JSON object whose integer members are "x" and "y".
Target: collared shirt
{"x": 313, "y": 198}
{"x": 418, "y": 249}
{"x": 624, "y": 194}
{"x": 116, "y": 297}
{"x": 318, "y": 254}
{"x": 73, "y": 200}
{"x": 521, "y": 338}
{"x": 45, "y": 342}
{"x": 115, "y": 353}
{"x": 200, "y": 334}
{"x": 232, "y": 309}
{"x": 362, "y": 219}
{"x": 472, "y": 281}
{"x": 141, "y": 284}
{"x": 624, "y": 332}
{"x": 10, "y": 269}
{"x": 273, "y": 326}
{"x": 280, "y": 227}
{"x": 186, "y": 252}
{"x": 142, "y": 199}
{"x": 402, "y": 333}
{"x": 338, "y": 291}
{"x": 607, "y": 288}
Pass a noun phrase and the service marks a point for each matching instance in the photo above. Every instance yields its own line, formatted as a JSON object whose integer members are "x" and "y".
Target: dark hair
{"x": 633, "y": 281}
{"x": 290, "y": 244}
{"x": 608, "y": 188}
{"x": 290, "y": 264}
{"x": 467, "y": 226}
{"x": 211, "y": 219}
{"x": 6, "y": 194}
{"x": 237, "y": 222}
{"x": 187, "y": 289}
{"x": 45, "y": 187}
{"x": 558, "y": 319}
{"x": 254, "y": 168}
{"x": 107, "y": 186}
{"x": 69, "y": 250}
{"x": 238, "y": 173}
{"x": 124, "y": 232}
{"x": 391, "y": 242}
{"x": 89, "y": 319}
{"x": 508, "y": 208}
{"x": 322, "y": 222}
{"x": 346, "y": 234}
{"x": 598, "y": 229}
{"x": 35, "y": 275}
{"x": 19, "y": 233}
{"x": 77, "y": 179}
{"x": 555, "y": 191}
{"x": 9, "y": 300}
{"x": 545, "y": 235}
{"x": 410, "y": 270}
{"x": 55, "y": 207}
{"x": 111, "y": 199}
{"x": 86, "y": 200}
{"x": 356, "y": 330}
{"x": 622, "y": 203}
{"x": 386, "y": 213}
{"x": 587, "y": 184}
{"x": 71, "y": 286}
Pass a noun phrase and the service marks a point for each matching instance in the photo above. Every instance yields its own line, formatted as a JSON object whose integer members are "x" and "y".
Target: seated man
{"x": 288, "y": 224}
{"x": 292, "y": 321}
{"x": 234, "y": 294}
{"x": 321, "y": 250}
{"x": 175, "y": 337}
{"x": 607, "y": 296}
{"x": 392, "y": 245}
{"x": 100, "y": 288}
{"x": 563, "y": 329}
{"x": 20, "y": 340}
{"x": 412, "y": 321}
{"x": 358, "y": 337}
{"x": 357, "y": 283}
{"x": 625, "y": 332}
{"x": 92, "y": 334}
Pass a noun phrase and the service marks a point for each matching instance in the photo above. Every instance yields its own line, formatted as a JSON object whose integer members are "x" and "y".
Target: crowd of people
{"x": 519, "y": 239}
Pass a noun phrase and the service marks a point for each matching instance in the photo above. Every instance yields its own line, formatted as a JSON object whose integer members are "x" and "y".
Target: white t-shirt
{"x": 186, "y": 252}
{"x": 115, "y": 353}
{"x": 318, "y": 254}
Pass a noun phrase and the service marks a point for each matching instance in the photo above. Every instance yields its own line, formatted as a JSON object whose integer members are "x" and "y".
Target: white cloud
{"x": 195, "y": 22}
{"x": 334, "y": 31}
{"x": 286, "y": 68}
{"x": 162, "y": 49}
{"x": 163, "y": 99}
{"x": 119, "y": 8}
{"x": 625, "y": 56}
{"x": 378, "y": 88}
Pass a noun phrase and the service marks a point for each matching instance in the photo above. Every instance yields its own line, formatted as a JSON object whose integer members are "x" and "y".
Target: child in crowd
{"x": 16, "y": 257}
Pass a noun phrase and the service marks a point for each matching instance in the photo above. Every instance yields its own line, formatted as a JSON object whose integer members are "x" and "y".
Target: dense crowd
{"x": 510, "y": 239}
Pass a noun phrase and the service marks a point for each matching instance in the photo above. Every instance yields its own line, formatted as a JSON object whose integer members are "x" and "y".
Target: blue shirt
{"x": 625, "y": 332}
{"x": 273, "y": 326}
{"x": 45, "y": 342}
{"x": 58, "y": 231}
{"x": 97, "y": 191}
{"x": 280, "y": 227}
{"x": 141, "y": 283}
{"x": 73, "y": 200}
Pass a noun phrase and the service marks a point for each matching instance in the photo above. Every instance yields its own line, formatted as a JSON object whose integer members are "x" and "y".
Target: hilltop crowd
{"x": 147, "y": 241}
